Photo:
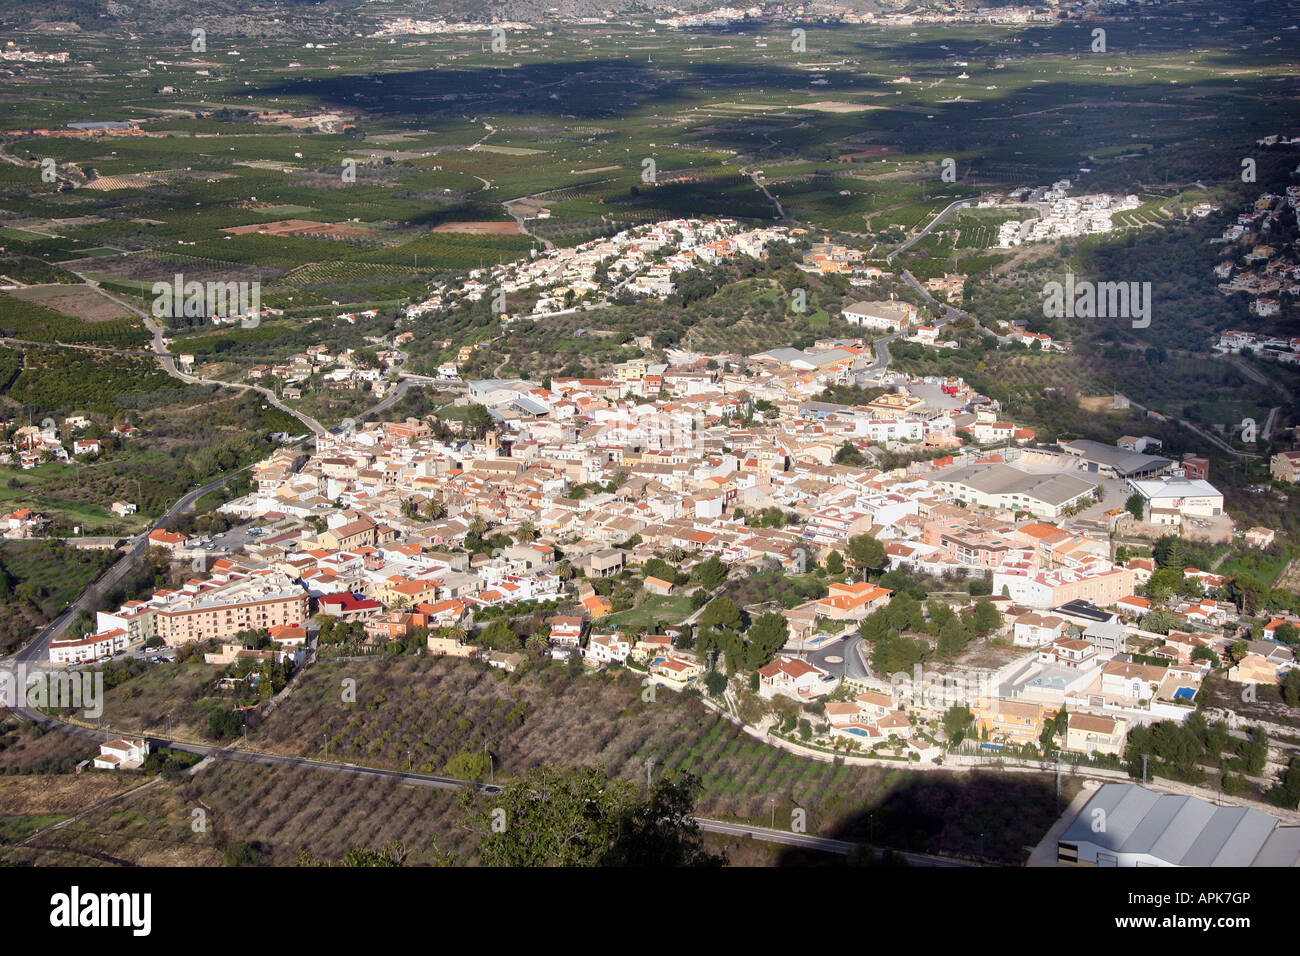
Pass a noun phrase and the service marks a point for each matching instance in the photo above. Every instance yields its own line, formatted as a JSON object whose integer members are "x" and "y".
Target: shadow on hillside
{"x": 993, "y": 818}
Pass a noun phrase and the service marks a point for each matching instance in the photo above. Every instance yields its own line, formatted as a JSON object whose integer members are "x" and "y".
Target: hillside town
{"x": 1264, "y": 268}
{"x": 1063, "y": 215}
{"x": 599, "y": 502}
{"x": 641, "y": 260}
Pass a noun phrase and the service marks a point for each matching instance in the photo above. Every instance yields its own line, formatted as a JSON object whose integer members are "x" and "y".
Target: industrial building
{"x": 1127, "y": 825}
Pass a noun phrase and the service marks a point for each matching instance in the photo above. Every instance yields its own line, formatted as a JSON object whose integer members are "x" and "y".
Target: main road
{"x": 943, "y": 214}
{"x": 36, "y": 653}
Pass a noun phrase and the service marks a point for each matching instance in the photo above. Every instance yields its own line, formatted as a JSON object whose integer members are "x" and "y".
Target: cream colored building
{"x": 1089, "y": 733}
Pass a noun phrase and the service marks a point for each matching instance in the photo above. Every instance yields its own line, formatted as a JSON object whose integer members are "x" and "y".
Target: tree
{"x": 866, "y": 552}
{"x": 711, "y": 573}
{"x": 499, "y": 637}
{"x": 987, "y": 617}
{"x": 952, "y": 638}
{"x": 477, "y": 421}
{"x": 392, "y": 854}
{"x": 661, "y": 569}
{"x": 1158, "y": 622}
{"x": 1287, "y": 633}
{"x": 225, "y": 723}
{"x": 1052, "y": 728}
{"x": 1250, "y": 592}
{"x": 582, "y": 817}
{"x": 556, "y": 818}
{"x": 766, "y": 636}
{"x": 662, "y": 831}
{"x": 1170, "y": 552}
{"x": 956, "y": 722}
{"x": 1254, "y": 752}
{"x": 834, "y": 563}
{"x": 721, "y": 612}
{"x": 848, "y": 454}
{"x": 241, "y": 854}
{"x": 1287, "y": 792}
{"x": 1135, "y": 505}
{"x": 1291, "y": 688}
{"x": 469, "y": 765}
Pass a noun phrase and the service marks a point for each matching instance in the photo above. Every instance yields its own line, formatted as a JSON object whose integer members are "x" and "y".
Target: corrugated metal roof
{"x": 1181, "y": 830}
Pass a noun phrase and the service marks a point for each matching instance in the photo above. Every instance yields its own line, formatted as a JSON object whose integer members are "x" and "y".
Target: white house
{"x": 127, "y": 753}
{"x": 887, "y": 316}
{"x": 795, "y": 678}
{"x": 608, "y": 648}
{"x": 90, "y": 648}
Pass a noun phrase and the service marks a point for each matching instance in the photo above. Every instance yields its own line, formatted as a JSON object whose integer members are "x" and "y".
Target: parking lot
{"x": 232, "y": 541}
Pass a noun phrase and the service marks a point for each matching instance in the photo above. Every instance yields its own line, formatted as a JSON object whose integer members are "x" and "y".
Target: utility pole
{"x": 1144, "y": 770}
{"x": 649, "y": 769}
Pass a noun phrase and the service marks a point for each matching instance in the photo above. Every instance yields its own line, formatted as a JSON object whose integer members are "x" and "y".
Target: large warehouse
{"x": 1127, "y": 825}
{"x": 997, "y": 485}
{"x": 1111, "y": 461}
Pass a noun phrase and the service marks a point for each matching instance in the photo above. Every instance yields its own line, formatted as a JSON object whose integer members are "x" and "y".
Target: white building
{"x": 886, "y": 316}
{"x": 1187, "y": 496}
{"x": 90, "y": 648}
{"x": 128, "y": 753}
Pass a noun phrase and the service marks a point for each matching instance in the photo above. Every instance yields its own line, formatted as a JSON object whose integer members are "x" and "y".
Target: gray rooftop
{"x": 1002, "y": 479}
{"x": 1181, "y": 830}
{"x": 1123, "y": 461}
{"x": 814, "y": 357}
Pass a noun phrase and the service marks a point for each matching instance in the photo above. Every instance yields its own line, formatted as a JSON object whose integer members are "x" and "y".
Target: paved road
{"x": 168, "y": 361}
{"x": 36, "y": 653}
{"x": 949, "y": 313}
{"x": 849, "y": 651}
{"x": 810, "y": 841}
{"x": 762, "y": 186}
{"x": 943, "y": 214}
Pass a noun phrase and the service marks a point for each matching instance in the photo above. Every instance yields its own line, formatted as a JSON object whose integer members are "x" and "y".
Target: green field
{"x": 671, "y": 609}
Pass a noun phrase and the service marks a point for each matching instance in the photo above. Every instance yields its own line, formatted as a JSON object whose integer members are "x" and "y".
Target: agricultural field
{"x": 187, "y": 435}
{"x": 430, "y": 712}
{"x": 37, "y": 581}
